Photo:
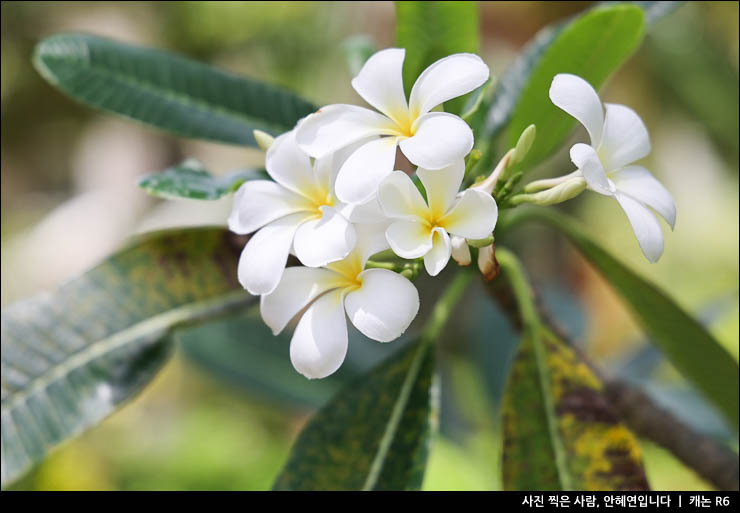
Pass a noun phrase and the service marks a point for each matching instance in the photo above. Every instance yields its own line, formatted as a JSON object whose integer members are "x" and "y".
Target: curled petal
{"x": 448, "y": 78}
{"x": 436, "y": 259}
{"x": 474, "y": 216}
{"x": 409, "y": 239}
{"x": 586, "y": 159}
{"x": 380, "y": 83}
{"x": 440, "y": 139}
{"x": 576, "y": 97}
{"x": 399, "y": 197}
{"x": 384, "y": 306}
{"x": 460, "y": 250}
{"x": 641, "y": 185}
{"x": 290, "y": 166}
{"x": 335, "y": 126}
{"x": 263, "y": 259}
{"x": 442, "y": 185}
{"x": 297, "y": 288}
{"x": 259, "y": 202}
{"x": 645, "y": 225}
{"x": 626, "y": 138}
{"x": 319, "y": 343}
{"x": 327, "y": 239}
{"x": 359, "y": 177}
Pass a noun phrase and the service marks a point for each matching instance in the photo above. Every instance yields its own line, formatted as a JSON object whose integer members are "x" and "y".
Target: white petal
{"x": 436, "y": 259}
{"x": 289, "y": 166}
{"x": 641, "y": 185}
{"x": 440, "y": 139}
{"x": 380, "y": 83}
{"x": 645, "y": 225}
{"x": 384, "y": 306}
{"x": 370, "y": 240}
{"x": 327, "y": 239}
{"x": 587, "y": 161}
{"x": 473, "y": 217}
{"x": 449, "y": 77}
{"x": 460, "y": 250}
{"x": 358, "y": 180}
{"x": 409, "y": 239}
{"x": 625, "y": 138}
{"x": 327, "y": 167}
{"x": 576, "y": 97}
{"x": 336, "y": 126}
{"x": 298, "y": 287}
{"x": 442, "y": 185}
{"x": 258, "y": 202}
{"x": 263, "y": 259}
{"x": 369, "y": 212}
{"x": 399, "y": 197}
{"x": 319, "y": 343}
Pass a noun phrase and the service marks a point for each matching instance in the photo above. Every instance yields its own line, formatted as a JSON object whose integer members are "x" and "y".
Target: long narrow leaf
{"x": 72, "y": 357}
{"x": 166, "y": 91}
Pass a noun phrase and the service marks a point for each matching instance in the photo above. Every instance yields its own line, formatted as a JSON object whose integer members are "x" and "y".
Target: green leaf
{"x": 72, "y": 357}
{"x": 592, "y": 47}
{"x": 685, "y": 342}
{"x": 559, "y": 431}
{"x": 191, "y": 180}
{"x": 166, "y": 91}
{"x": 261, "y": 365}
{"x": 578, "y": 444}
{"x": 432, "y": 30}
{"x": 373, "y": 435}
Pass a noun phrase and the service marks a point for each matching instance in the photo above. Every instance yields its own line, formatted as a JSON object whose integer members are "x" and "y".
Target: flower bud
{"x": 523, "y": 145}
{"x": 562, "y": 192}
{"x": 264, "y": 140}
{"x": 487, "y": 263}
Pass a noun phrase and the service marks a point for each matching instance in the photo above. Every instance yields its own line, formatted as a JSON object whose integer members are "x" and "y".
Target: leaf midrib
{"x": 163, "y": 322}
{"x": 394, "y": 421}
{"x": 100, "y": 70}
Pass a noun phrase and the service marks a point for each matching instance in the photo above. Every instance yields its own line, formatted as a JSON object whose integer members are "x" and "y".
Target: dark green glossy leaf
{"x": 559, "y": 431}
{"x": 593, "y": 46}
{"x": 191, "y": 180}
{"x": 373, "y": 435}
{"x": 167, "y": 91}
{"x": 71, "y": 357}
{"x": 432, "y": 30}
{"x": 500, "y": 108}
{"x": 690, "y": 348}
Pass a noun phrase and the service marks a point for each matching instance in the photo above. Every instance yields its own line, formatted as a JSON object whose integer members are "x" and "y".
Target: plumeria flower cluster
{"x": 335, "y": 201}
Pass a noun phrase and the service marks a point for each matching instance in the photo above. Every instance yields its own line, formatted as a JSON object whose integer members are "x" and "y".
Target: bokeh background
{"x": 69, "y": 199}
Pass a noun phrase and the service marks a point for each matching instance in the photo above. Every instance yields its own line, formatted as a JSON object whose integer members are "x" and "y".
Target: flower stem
{"x": 445, "y": 305}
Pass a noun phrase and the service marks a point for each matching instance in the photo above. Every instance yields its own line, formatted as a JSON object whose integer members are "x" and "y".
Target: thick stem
{"x": 445, "y": 305}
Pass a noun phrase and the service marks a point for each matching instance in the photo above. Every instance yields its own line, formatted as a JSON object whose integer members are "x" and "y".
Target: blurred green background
{"x": 69, "y": 199}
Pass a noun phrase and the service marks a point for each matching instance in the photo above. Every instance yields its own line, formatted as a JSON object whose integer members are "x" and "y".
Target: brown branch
{"x": 710, "y": 459}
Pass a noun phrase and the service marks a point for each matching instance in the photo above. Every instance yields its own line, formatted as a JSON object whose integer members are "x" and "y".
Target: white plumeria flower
{"x": 421, "y": 228}
{"x": 298, "y": 212}
{"x": 380, "y": 303}
{"x": 618, "y": 138}
{"x": 431, "y": 140}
